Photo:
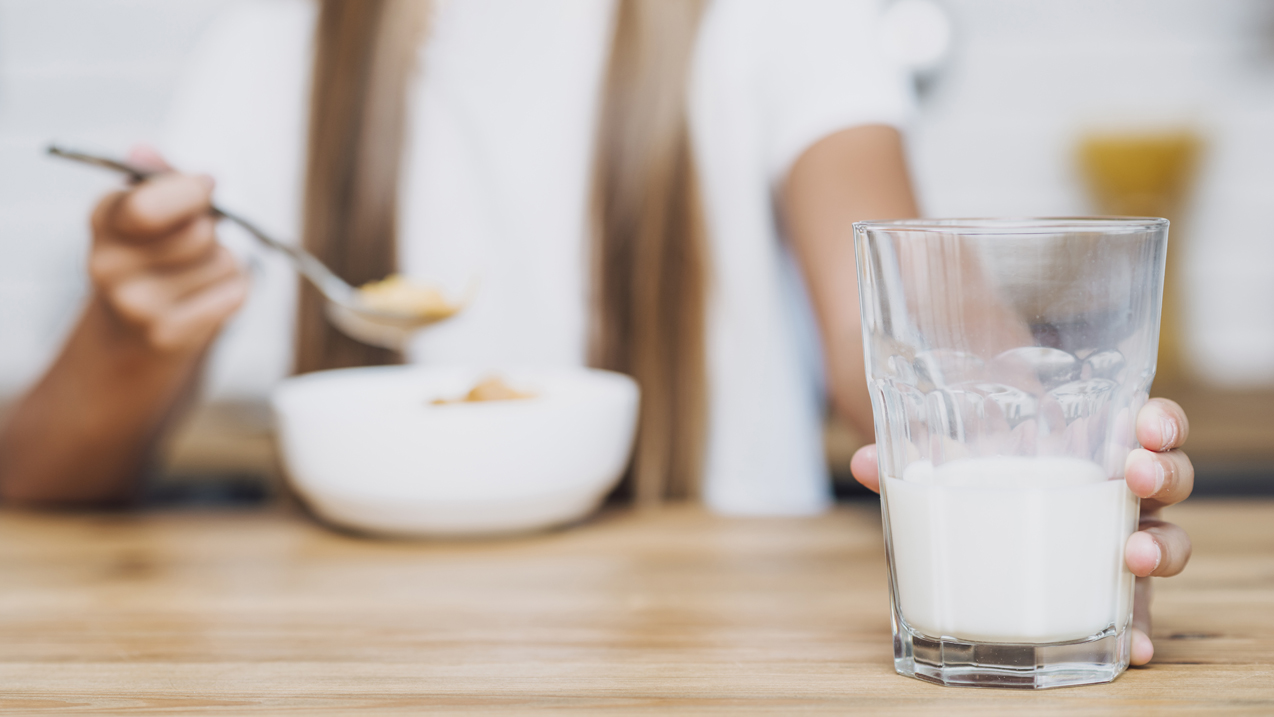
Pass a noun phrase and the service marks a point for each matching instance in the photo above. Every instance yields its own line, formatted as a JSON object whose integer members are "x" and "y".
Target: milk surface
{"x": 1022, "y": 550}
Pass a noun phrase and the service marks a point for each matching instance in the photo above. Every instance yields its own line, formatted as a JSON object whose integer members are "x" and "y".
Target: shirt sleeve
{"x": 239, "y": 115}
{"x": 822, "y": 71}
{"x": 239, "y": 109}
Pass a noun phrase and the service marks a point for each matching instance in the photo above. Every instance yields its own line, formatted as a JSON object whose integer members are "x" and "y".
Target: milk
{"x": 1021, "y": 550}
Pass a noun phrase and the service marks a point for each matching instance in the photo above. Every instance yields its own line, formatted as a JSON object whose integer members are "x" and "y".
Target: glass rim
{"x": 1018, "y": 225}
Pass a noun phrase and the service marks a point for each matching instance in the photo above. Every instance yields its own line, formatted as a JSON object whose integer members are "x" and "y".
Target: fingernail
{"x": 1161, "y": 477}
{"x": 1158, "y": 556}
{"x": 1167, "y": 433}
{"x": 207, "y": 181}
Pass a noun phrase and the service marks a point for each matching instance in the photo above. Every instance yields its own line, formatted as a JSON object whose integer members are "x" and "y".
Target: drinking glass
{"x": 1007, "y": 360}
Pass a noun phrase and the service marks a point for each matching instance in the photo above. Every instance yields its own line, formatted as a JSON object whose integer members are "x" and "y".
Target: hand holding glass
{"x": 1007, "y": 361}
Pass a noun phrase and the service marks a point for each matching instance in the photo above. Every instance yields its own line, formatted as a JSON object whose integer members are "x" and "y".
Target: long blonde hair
{"x": 649, "y": 253}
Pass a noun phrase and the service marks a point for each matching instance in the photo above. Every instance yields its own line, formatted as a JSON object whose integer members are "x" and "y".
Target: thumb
{"x": 865, "y": 468}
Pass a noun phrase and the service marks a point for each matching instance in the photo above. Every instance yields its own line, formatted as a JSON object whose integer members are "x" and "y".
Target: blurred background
{"x": 1053, "y": 107}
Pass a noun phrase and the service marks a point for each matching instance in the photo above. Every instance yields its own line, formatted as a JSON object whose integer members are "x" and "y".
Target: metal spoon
{"x": 345, "y": 308}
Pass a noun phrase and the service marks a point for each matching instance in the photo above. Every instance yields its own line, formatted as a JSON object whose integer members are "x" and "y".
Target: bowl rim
{"x": 293, "y": 385}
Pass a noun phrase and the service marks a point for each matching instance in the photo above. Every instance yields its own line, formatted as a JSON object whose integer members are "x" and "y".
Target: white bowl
{"x": 367, "y": 449}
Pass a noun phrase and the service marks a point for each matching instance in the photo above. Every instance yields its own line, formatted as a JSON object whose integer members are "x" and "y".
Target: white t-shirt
{"x": 496, "y": 183}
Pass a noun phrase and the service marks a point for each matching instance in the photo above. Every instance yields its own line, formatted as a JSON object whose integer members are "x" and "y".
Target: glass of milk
{"x": 1007, "y": 360}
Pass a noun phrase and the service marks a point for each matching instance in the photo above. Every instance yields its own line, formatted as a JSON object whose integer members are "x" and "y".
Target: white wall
{"x": 995, "y": 136}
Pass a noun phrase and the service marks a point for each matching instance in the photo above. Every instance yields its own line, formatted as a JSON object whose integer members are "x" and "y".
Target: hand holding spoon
{"x": 384, "y": 313}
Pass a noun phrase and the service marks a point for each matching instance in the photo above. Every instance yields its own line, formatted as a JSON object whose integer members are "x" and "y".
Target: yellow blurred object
{"x": 398, "y": 295}
{"x": 492, "y": 388}
{"x": 1148, "y": 174}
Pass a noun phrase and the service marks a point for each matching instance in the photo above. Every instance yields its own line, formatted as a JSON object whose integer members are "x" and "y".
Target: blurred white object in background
{"x": 916, "y": 34}
{"x": 369, "y": 449}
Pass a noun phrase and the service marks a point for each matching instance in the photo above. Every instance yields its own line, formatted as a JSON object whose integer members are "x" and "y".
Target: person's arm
{"x": 853, "y": 175}
{"x": 162, "y": 288}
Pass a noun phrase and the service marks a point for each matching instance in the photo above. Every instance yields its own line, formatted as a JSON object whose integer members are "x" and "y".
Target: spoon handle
{"x": 135, "y": 174}
{"x": 330, "y": 285}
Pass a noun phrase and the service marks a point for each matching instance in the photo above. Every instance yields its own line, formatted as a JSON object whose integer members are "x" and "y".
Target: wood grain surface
{"x": 671, "y": 612}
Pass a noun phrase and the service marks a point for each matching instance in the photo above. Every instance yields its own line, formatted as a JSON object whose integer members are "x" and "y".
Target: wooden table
{"x": 669, "y": 612}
